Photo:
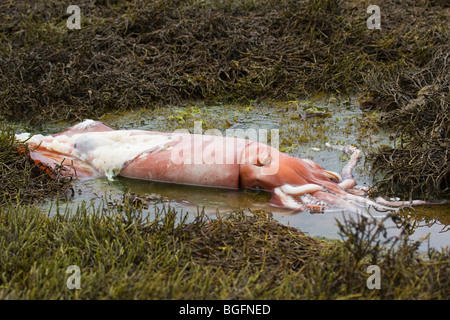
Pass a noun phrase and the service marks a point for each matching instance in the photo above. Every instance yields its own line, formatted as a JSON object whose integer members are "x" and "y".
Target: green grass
{"x": 125, "y": 252}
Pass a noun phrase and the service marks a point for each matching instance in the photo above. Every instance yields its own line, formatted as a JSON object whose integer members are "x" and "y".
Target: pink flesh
{"x": 200, "y": 160}
{"x": 212, "y": 161}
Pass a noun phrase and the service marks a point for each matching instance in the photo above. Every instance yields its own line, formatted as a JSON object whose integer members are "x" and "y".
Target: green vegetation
{"x": 21, "y": 179}
{"x": 123, "y": 253}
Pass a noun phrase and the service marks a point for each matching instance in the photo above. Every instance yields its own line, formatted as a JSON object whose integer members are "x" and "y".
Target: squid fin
{"x": 49, "y": 161}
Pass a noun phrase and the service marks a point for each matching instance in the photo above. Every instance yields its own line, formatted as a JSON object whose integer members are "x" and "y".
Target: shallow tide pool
{"x": 304, "y": 127}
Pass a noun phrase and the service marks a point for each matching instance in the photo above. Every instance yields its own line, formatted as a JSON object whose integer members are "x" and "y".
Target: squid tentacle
{"x": 358, "y": 190}
{"x": 348, "y": 181}
{"x": 402, "y": 204}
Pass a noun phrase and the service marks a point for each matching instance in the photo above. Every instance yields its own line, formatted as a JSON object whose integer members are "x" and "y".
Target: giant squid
{"x": 92, "y": 149}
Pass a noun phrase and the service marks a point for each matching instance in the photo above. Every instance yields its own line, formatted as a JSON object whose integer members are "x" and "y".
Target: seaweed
{"x": 416, "y": 107}
{"x": 147, "y": 53}
{"x": 21, "y": 179}
{"x": 127, "y": 252}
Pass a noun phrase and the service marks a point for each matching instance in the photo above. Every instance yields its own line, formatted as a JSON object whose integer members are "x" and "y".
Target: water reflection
{"x": 423, "y": 221}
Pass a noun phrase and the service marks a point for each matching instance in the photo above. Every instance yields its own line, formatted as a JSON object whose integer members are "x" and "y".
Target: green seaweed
{"x": 127, "y": 252}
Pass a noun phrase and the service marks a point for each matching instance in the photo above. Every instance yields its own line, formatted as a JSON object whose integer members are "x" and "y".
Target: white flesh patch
{"x": 105, "y": 151}
{"x": 300, "y": 190}
{"x": 287, "y": 200}
{"x": 84, "y": 125}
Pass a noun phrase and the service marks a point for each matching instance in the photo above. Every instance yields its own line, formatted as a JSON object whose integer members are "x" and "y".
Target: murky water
{"x": 304, "y": 128}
